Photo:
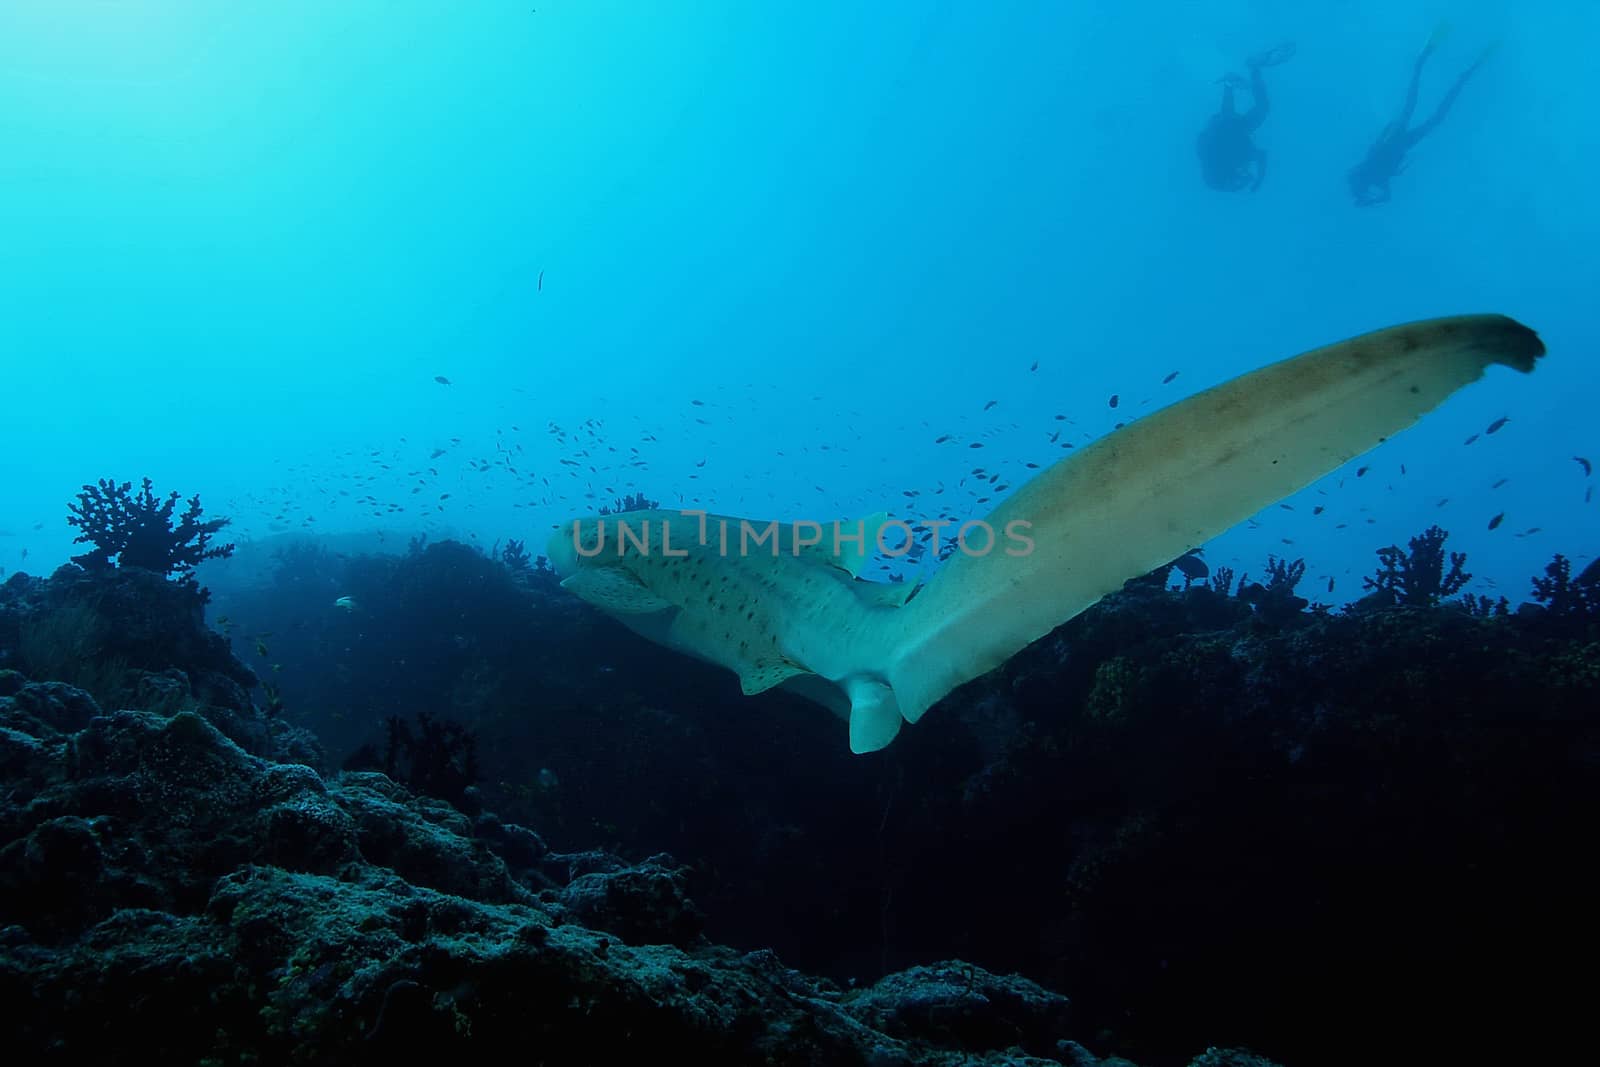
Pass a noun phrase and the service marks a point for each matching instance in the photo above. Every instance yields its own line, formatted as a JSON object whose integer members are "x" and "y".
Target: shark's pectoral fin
{"x": 874, "y": 714}
{"x": 615, "y": 590}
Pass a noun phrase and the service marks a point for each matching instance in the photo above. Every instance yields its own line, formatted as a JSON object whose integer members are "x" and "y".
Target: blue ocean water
{"x": 242, "y": 241}
{"x": 395, "y": 284}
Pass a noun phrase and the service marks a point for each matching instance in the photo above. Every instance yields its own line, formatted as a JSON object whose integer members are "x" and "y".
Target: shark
{"x": 784, "y": 604}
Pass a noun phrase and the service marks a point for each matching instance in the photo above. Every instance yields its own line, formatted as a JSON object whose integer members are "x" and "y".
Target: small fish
{"x": 976, "y": 444}
{"x": 1168, "y": 379}
{"x": 1362, "y": 470}
{"x": 1501, "y": 482}
{"x": 941, "y": 439}
{"x": 990, "y": 404}
{"x": 1497, "y": 520}
{"x": 1114, "y": 399}
{"x": 1471, "y": 439}
{"x": 1497, "y": 423}
{"x": 1034, "y": 367}
{"x": 698, "y": 403}
{"x": 345, "y": 603}
{"x": 1318, "y": 510}
{"x": 541, "y": 282}
{"x": 1588, "y": 468}
{"x": 1330, "y": 585}
{"x": 441, "y": 379}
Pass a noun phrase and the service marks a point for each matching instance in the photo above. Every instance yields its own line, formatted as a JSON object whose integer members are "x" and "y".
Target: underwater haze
{"x": 243, "y": 240}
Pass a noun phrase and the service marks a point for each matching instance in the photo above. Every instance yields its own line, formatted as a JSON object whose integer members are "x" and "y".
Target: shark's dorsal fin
{"x": 884, "y": 594}
{"x": 615, "y": 590}
{"x": 849, "y": 544}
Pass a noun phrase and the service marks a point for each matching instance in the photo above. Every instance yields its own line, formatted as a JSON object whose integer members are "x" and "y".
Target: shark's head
{"x": 606, "y": 541}
{"x": 563, "y": 548}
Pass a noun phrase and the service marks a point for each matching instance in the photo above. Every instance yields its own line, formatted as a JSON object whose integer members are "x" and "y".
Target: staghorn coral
{"x": 1418, "y": 577}
{"x": 631, "y": 502}
{"x": 1276, "y": 601}
{"x": 1562, "y": 594}
{"x": 515, "y": 555}
{"x": 136, "y": 530}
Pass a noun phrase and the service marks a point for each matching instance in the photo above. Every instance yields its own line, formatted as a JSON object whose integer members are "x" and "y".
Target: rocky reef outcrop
{"x": 178, "y": 882}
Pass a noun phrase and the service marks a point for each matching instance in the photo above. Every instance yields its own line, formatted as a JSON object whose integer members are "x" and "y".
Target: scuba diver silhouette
{"x": 1386, "y": 159}
{"x": 1229, "y": 160}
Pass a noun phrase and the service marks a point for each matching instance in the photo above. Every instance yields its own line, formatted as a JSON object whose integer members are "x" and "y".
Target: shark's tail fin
{"x": 1147, "y": 493}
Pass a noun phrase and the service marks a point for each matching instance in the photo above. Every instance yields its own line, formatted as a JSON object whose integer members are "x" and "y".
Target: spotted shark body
{"x": 784, "y": 604}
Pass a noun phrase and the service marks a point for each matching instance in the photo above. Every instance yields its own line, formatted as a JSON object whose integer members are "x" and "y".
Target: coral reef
{"x": 1201, "y": 821}
{"x": 113, "y": 632}
{"x": 436, "y": 759}
{"x": 167, "y": 895}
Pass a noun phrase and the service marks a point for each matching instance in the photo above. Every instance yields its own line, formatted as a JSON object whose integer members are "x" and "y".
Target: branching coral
{"x": 1562, "y": 594}
{"x": 131, "y": 529}
{"x": 631, "y": 502}
{"x": 1418, "y": 577}
{"x": 1276, "y": 601}
{"x": 1222, "y": 580}
{"x": 515, "y": 555}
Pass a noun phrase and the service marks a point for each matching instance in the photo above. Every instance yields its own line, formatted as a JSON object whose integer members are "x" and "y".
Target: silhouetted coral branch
{"x": 1276, "y": 601}
{"x": 1419, "y": 577}
{"x": 631, "y": 502}
{"x": 1562, "y": 594}
{"x": 136, "y": 530}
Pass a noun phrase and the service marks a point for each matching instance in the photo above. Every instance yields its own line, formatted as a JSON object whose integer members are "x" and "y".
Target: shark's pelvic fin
{"x": 1174, "y": 479}
{"x": 874, "y": 714}
{"x": 759, "y": 677}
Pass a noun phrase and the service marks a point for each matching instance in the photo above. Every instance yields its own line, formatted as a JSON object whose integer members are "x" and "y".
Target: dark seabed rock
{"x": 169, "y": 896}
{"x": 1197, "y": 817}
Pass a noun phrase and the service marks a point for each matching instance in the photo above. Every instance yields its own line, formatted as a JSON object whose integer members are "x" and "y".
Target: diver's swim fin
{"x": 1273, "y": 56}
{"x": 1484, "y": 56}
